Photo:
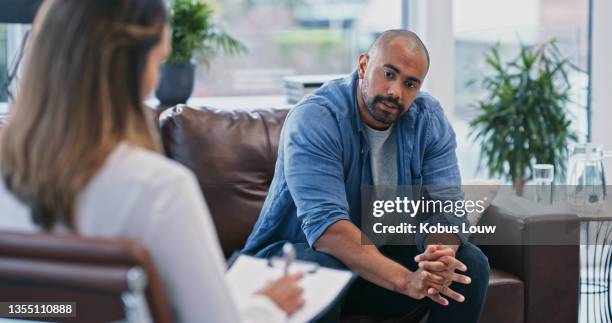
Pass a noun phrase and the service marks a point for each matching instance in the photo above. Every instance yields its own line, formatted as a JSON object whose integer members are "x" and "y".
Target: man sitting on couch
{"x": 372, "y": 128}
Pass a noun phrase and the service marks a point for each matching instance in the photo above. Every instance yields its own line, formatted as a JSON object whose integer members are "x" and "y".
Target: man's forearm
{"x": 343, "y": 241}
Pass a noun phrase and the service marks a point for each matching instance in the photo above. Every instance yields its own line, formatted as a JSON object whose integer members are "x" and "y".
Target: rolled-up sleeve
{"x": 440, "y": 170}
{"x": 313, "y": 168}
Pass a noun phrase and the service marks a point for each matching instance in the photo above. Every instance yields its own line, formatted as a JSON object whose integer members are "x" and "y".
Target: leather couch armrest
{"x": 543, "y": 251}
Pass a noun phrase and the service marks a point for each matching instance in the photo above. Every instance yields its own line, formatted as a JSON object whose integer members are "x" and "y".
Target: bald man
{"x": 372, "y": 128}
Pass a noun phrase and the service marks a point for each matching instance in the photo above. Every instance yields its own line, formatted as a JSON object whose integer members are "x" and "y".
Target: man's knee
{"x": 305, "y": 252}
{"x": 477, "y": 264}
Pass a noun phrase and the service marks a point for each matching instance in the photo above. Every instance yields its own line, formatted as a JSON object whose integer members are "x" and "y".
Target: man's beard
{"x": 382, "y": 116}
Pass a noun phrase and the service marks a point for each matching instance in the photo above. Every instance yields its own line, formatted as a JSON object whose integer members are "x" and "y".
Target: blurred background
{"x": 312, "y": 37}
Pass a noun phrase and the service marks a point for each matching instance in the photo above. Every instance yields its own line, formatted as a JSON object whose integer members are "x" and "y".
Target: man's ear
{"x": 363, "y": 63}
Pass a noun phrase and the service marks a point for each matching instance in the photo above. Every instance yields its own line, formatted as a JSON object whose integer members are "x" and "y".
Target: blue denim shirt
{"x": 323, "y": 161}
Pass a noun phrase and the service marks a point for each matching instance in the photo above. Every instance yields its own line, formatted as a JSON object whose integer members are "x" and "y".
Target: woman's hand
{"x": 285, "y": 292}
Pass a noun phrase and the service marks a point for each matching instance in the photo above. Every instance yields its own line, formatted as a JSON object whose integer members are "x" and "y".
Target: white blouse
{"x": 141, "y": 195}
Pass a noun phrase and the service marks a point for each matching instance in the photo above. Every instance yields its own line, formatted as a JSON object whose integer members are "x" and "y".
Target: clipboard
{"x": 323, "y": 287}
{"x": 273, "y": 261}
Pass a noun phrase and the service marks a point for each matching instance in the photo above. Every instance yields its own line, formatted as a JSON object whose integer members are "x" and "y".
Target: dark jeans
{"x": 364, "y": 297}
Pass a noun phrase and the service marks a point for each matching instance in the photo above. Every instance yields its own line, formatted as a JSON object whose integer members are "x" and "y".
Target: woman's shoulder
{"x": 124, "y": 192}
{"x": 135, "y": 174}
{"x": 132, "y": 164}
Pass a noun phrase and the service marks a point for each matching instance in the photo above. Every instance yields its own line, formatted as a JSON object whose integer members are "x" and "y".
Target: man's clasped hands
{"x": 436, "y": 271}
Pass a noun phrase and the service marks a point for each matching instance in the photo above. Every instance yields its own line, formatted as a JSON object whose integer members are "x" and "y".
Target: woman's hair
{"x": 79, "y": 96}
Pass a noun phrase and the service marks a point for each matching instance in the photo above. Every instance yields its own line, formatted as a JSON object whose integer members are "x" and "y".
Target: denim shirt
{"x": 323, "y": 162}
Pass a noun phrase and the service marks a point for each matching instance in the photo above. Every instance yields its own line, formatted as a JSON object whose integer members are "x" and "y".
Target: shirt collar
{"x": 354, "y": 82}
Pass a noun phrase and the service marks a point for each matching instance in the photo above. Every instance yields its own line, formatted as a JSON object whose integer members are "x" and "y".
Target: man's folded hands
{"x": 437, "y": 266}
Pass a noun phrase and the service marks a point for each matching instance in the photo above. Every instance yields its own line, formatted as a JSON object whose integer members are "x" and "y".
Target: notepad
{"x": 322, "y": 285}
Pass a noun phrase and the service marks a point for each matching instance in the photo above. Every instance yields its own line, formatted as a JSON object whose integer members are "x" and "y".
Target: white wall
{"x": 601, "y": 100}
{"x": 432, "y": 20}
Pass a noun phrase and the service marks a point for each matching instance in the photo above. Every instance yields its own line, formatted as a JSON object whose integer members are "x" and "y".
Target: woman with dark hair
{"x": 80, "y": 154}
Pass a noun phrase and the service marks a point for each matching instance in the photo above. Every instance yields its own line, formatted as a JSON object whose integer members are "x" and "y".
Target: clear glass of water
{"x": 543, "y": 177}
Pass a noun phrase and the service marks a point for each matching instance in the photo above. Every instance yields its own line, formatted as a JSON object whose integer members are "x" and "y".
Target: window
{"x": 303, "y": 37}
{"x": 480, "y": 24}
{"x": 3, "y": 64}
{"x": 11, "y": 40}
{"x": 15, "y": 17}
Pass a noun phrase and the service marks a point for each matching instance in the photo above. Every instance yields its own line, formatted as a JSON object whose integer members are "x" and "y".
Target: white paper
{"x": 249, "y": 274}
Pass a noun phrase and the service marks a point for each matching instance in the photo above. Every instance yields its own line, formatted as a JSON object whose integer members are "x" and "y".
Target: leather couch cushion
{"x": 537, "y": 263}
{"x": 233, "y": 154}
{"x": 504, "y": 303}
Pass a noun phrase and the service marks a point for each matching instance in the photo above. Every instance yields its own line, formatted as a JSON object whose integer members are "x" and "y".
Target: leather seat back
{"x": 233, "y": 154}
{"x": 97, "y": 274}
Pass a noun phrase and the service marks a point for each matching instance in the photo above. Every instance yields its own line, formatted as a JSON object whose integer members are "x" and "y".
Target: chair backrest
{"x": 233, "y": 154}
{"x": 109, "y": 280}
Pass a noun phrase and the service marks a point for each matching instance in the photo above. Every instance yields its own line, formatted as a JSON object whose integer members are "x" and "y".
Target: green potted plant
{"x": 524, "y": 118}
{"x": 194, "y": 33}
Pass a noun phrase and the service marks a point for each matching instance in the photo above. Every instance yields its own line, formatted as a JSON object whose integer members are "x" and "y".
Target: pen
{"x": 288, "y": 256}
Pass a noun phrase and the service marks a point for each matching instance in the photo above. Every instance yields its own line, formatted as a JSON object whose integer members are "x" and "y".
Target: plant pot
{"x": 176, "y": 83}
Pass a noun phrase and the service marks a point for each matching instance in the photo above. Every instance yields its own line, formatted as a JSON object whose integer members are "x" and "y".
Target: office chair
{"x": 105, "y": 280}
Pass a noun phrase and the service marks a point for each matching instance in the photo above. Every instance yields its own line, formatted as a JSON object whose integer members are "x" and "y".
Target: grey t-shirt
{"x": 383, "y": 155}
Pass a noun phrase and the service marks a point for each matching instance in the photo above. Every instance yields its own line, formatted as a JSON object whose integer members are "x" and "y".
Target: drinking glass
{"x": 543, "y": 177}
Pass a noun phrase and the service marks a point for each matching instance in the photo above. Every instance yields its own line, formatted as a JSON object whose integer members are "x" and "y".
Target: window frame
{"x": 14, "y": 38}
{"x": 17, "y": 15}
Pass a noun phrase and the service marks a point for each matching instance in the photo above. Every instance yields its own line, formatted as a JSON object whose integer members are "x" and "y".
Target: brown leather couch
{"x": 233, "y": 153}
